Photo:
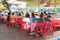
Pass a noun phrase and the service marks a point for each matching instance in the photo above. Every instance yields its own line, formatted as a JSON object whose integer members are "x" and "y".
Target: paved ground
{"x": 9, "y": 33}
{"x": 56, "y": 36}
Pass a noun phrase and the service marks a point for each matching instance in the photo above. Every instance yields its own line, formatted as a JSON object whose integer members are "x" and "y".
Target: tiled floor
{"x": 9, "y": 33}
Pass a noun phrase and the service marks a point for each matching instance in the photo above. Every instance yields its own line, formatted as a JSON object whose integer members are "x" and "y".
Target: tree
{"x": 6, "y": 5}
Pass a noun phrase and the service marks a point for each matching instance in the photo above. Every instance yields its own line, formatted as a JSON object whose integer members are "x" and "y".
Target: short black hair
{"x": 33, "y": 14}
{"x": 19, "y": 14}
{"x": 8, "y": 17}
{"x": 45, "y": 13}
{"x": 2, "y": 14}
{"x": 49, "y": 16}
{"x": 27, "y": 15}
{"x": 12, "y": 13}
{"x": 9, "y": 13}
{"x": 41, "y": 15}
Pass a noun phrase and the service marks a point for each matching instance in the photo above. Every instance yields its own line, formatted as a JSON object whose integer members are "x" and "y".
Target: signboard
{"x": 55, "y": 2}
{"x": 58, "y": 3}
{"x": 32, "y": 4}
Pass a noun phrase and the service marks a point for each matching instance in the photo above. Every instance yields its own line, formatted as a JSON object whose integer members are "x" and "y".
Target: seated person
{"x": 8, "y": 19}
{"x": 48, "y": 20}
{"x": 19, "y": 20}
{"x": 27, "y": 20}
{"x": 38, "y": 20}
{"x": 12, "y": 18}
{"x": 33, "y": 23}
{"x": 47, "y": 17}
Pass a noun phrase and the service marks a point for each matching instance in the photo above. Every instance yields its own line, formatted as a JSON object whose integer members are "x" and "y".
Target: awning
{"x": 17, "y": 2}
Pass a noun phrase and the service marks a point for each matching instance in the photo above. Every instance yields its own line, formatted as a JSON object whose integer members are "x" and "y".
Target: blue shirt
{"x": 39, "y": 20}
{"x": 33, "y": 19}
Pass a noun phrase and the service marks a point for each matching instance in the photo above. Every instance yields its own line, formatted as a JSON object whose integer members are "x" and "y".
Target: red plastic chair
{"x": 0, "y": 17}
{"x": 55, "y": 23}
{"x": 42, "y": 28}
{"x": 7, "y": 22}
{"x": 58, "y": 23}
{"x": 49, "y": 27}
{"x": 12, "y": 21}
{"x": 19, "y": 21}
{"x": 25, "y": 29}
{"x": 23, "y": 25}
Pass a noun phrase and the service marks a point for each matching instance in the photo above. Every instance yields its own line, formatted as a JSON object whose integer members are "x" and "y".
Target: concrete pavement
{"x": 9, "y": 33}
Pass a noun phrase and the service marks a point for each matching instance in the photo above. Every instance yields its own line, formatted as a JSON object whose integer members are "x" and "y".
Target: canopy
{"x": 17, "y": 2}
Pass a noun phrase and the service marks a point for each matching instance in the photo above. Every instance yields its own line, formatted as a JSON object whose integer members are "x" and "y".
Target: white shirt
{"x": 5, "y": 15}
{"x": 27, "y": 20}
